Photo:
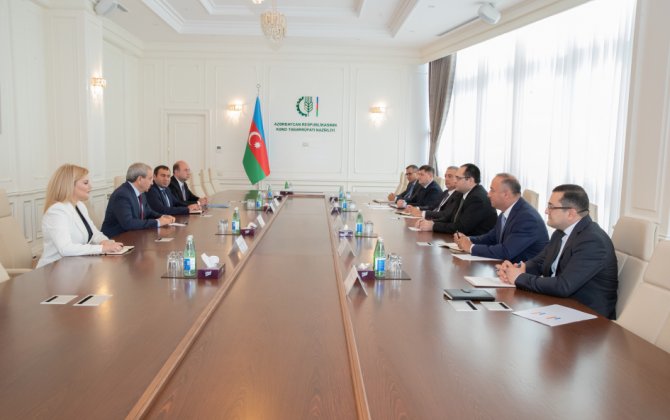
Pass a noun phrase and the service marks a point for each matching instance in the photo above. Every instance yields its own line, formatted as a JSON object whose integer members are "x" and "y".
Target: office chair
{"x": 15, "y": 253}
{"x": 647, "y": 311}
{"x": 634, "y": 241}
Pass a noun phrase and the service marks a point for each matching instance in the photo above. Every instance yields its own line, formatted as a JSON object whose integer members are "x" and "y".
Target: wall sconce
{"x": 377, "y": 114}
{"x": 234, "y": 110}
{"x": 98, "y": 84}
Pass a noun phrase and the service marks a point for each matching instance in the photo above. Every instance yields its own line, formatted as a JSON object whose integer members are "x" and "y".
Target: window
{"x": 548, "y": 103}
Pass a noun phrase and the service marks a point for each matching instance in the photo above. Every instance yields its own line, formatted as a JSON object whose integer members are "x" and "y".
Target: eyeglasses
{"x": 458, "y": 178}
{"x": 551, "y": 207}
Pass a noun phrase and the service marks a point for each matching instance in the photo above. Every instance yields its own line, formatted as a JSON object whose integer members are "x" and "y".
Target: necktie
{"x": 183, "y": 191}
{"x": 458, "y": 212}
{"x": 553, "y": 253}
{"x": 165, "y": 198}
{"x": 139, "y": 197}
{"x": 444, "y": 200}
{"x": 503, "y": 220}
{"x": 409, "y": 191}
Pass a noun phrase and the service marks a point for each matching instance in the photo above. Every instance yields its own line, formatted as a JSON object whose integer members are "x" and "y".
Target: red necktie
{"x": 141, "y": 207}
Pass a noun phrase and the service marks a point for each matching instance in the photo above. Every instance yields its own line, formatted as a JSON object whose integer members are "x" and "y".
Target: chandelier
{"x": 273, "y": 24}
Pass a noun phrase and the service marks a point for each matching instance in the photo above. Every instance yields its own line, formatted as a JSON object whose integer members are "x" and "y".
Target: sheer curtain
{"x": 548, "y": 103}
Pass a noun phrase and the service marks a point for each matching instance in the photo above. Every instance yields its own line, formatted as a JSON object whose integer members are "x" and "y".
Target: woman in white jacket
{"x": 66, "y": 226}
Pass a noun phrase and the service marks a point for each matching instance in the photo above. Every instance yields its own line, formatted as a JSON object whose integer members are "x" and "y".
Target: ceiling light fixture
{"x": 257, "y": 1}
{"x": 488, "y": 13}
{"x": 273, "y": 24}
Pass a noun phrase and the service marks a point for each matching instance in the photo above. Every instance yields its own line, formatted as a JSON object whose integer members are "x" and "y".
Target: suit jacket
{"x": 157, "y": 201}
{"x": 524, "y": 236}
{"x": 475, "y": 218}
{"x": 65, "y": 234}
{"x": 427, "y": 197}
{"x": 176, "y": 190}
{"x": 405, "y": 195}
{"x": 123, "y": 212}
{"x": 446, "y": 210}
{"x": 586, "y": 271}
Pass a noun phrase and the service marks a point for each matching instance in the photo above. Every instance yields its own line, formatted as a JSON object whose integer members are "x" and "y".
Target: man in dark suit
{"x": 128, "y": 208}
{"x": 474, "y": 214}
{"x": 519, "y": 234}
{"x": 579, "y": 262}
{"x": 412, "y": 175}
{"x": 429, "y": 192}
{"x": 182, "y": 173}
{"x": 448, "y": 201}
{"x": 162, "y": 199}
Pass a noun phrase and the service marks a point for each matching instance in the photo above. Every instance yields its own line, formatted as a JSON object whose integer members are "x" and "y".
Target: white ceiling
{"x": 394, "y": 23}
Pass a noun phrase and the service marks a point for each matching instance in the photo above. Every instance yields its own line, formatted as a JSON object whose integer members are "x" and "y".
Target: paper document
{"x": 496, "y": 306}
{"x": 468, "y": 257}
{"x": 554, "y": 315}
{"x": 177, "y": 224}
{"x": 379, "y": 206}
{"x": 463, "y": 305}
{"x": 218, "y": 206}
{"x": 415, "y": 229}
{"x": 487, "y": 282}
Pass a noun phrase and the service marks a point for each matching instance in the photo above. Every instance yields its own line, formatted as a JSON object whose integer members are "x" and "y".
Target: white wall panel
{"x": 377, "y": 146}
{"x": 116, "y": 151}
{"x": 9, "y": 157}
{"x": 185, "y": 84}
{"x": 317, "y": 152}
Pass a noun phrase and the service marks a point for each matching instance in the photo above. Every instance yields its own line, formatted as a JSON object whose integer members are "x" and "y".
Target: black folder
{"x": 468, "y": 294}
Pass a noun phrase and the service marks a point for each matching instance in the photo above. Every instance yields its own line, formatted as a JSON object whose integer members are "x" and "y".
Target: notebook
{"x": 126, "y": 249}
{"x": 468, "y": 294}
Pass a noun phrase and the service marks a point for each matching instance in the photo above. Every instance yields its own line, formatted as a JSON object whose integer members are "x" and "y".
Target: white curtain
{"x": 548, "y": 103}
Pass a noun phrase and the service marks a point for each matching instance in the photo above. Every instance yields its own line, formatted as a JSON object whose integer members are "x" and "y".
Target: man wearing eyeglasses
{"x": 412, "y": 175}
{"x": 429, "y": 192}
{"x": 579, "y": 262}
{"x": 519, "y": 233}
{"x": 474, "y": 214}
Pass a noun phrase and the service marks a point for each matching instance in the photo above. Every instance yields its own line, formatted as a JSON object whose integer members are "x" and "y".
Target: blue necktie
{"x": 409, "y": 191}
{"x": 503, "y": 220}
{"x": 165, "y": 196}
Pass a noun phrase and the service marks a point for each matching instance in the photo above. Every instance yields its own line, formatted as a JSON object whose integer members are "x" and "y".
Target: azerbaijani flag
{"x": 255, "y": 161}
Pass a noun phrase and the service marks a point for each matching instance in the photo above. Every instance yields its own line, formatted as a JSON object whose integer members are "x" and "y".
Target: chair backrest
{"x": 593, "y": 212}
{"x": 532, "y": 198}
{"x": 212, "y": 182}
{"x": 97, "y": 219}
{"x": 402, "y": 186}
{"x": 634, "y": 241}
{"x": 118, "y": 180}
{"x": 440, "y": 181}
{"x": 203, "y": 183}
{"x": 647, "y": 312}
{"x": 14, "y": 248}
{"x": 3, "y": 274}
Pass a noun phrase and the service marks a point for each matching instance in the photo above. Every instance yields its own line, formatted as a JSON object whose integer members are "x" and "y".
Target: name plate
{"x": 351, "y": 280}
{"x": 260, "y": 221}
{"x": 241, "y": 244}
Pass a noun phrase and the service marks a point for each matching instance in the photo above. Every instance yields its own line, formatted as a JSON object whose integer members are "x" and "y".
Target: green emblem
{"x": 304, "y": 106}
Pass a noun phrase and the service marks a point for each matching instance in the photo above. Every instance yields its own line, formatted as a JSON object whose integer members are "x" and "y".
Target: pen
{"x": 51, "y": 298}
{"x": 503, "y": 305}
{"x": 84, "y": 299}
{"x": 472, "y": 305}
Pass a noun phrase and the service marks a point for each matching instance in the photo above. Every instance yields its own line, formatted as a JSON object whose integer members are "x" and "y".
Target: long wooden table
{"x": 277, "y": 338}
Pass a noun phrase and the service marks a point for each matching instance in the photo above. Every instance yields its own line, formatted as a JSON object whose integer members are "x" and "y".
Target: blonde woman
{"x": 66, "y": 226}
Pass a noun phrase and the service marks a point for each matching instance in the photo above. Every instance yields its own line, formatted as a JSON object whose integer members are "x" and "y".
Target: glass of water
{"x": 173, "y": 265}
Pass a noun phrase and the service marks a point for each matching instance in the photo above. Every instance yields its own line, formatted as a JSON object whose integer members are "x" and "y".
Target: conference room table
{"x": 278, "y": 337}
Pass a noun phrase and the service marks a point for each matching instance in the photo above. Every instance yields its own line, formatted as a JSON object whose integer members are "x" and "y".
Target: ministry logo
{"x": 305, "y": 105}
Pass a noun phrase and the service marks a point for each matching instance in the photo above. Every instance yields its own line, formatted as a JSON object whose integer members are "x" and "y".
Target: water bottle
{"x": 259, "y": 199}
{"x": 379, "y": 261}
{"x": 344, "y": 204}
{"x": 236, "y": 221}
{"x": 269, "y": 192}
{"x": 341, "y": 193}
{"x": 286, "y": 186}
{"x": 189, "y": 257}
{"x": 359, "y": 224}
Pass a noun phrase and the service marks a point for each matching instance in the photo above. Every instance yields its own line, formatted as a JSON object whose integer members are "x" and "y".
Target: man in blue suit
{"x": 163, "y": 200}
{"x": 412, "y": 175}
{"x": 429, "y": 192}
{"x": 519, "y": 234}
{"x": 579, "y": 262}
{"x": 128, "y": 208}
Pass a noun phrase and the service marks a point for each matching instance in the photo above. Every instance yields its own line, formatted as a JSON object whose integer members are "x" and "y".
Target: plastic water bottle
{"x": 379, "y": 262}
{"x": 259, "y": 199}
{"x": 269, "y": 192}
{"x": 359, "y": 224}
{"x": 341, "y": 193}
{"x": 189, "y": 257}
{"x": 344, "y": 204}
{"x": 286, "y": 186}
{"x": 236, "y": 221}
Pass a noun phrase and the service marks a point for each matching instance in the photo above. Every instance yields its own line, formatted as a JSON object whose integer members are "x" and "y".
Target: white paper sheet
{"x": 468, "y": 257}
{"x": 496, "y": 306}
{"x": 487, "y": 282}
{"x": 463, "y": 305}
{"x": 58, "y": 299}
{"x": 554, "y": 315}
